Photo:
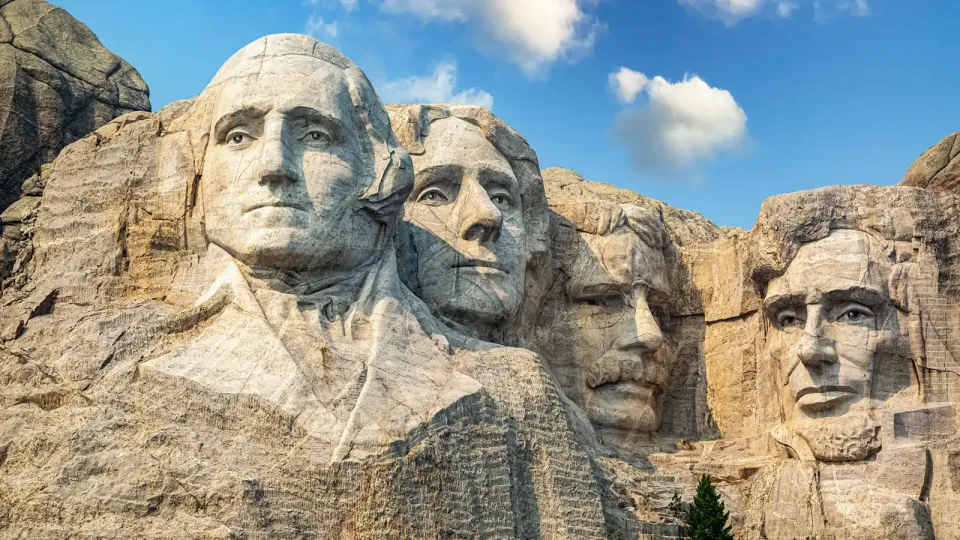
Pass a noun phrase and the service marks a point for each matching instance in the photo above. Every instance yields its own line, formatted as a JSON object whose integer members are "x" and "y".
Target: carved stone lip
{"x": 825, "y": 389}
{"x": 275, "y": 204}
{"x": 477, "y": 263}
{"x": 628, "y": 388}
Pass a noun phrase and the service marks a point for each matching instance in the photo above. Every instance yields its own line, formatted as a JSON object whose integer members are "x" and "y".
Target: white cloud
{"x": 786, "y": 8}
{"x": 733, "y": 11}
{"x": 680, "y": 124}
{"x": 348, "y": 5}
{"x": 729, "y": 11}
{"x": 319, "y": 28}
{"x": 824, "y": 9}
{"x": 533, "y": 33}
{"x": 626, "y": 84}
{"x": 437, "y": 88}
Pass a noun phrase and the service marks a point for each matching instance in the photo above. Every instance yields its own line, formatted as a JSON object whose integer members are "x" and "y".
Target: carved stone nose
{"x": 481, "y": 220}
{"x": 276, "y": 163}
{"x": 644, "y": 333}
{"x": 814, "y": 350}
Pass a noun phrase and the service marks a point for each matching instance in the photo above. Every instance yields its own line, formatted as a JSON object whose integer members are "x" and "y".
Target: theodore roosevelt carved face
{"x": 613, "y": 322}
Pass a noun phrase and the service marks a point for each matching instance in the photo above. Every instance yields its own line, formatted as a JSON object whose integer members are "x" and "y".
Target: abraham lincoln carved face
{"x": 832, "y": 323}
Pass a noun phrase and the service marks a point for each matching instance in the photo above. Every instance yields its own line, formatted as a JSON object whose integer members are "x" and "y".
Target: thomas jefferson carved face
{"x": 831, "y": 324}
{"x": 464, "y": 219}
{"x": 284, "y": 168}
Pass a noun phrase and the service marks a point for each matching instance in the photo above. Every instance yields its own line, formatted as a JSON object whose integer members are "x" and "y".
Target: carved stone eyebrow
{"x": 434, "y": 173}
{"x": 235, "y": 118}
{"x": 776, "y": 302}
{"x": 499, "y": 178}
{"x": 868, "y": 296}
{"x": 333, "y": 124}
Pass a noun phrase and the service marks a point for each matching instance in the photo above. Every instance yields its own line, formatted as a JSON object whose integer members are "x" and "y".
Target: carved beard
{"x": 852, "y": 437}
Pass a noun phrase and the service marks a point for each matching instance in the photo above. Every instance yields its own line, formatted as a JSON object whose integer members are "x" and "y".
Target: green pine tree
{"x": 706, "y": 517}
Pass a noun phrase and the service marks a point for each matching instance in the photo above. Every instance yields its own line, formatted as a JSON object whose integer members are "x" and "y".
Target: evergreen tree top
{"x": 707, "y": 517}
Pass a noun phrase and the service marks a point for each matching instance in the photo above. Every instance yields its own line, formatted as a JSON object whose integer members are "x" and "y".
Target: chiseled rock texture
{"x": 938, "y": 168}
{"x": 153, "y": 385}
{"x": 57, "y": 84}
{"x": 685, "y": 411}
{"x": 772, "y": 334}
{"x": 227, "y": 319}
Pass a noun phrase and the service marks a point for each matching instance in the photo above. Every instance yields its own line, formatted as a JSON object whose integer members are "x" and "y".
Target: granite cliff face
{"x": 57, "y": 84}
{"x": 319, "y": 317}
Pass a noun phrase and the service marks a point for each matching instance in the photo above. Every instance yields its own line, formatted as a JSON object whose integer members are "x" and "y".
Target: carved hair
{"x": 392, "y": 176}
{"x": 594, "y": 217}
{"x": 412, "y": 125}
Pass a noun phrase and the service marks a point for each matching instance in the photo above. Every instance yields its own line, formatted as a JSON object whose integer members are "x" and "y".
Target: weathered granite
{"x": 276, "y": 310}
{"x": 213, "y": 340}
{"x": 938, "y": 168}
{"x": 57, "y": 84}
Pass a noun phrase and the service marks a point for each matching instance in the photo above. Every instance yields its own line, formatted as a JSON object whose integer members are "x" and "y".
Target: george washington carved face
{"x": 285, "y": 167}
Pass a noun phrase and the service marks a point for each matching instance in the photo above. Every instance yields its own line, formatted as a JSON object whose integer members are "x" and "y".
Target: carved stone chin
{"x": 846, "y": 438}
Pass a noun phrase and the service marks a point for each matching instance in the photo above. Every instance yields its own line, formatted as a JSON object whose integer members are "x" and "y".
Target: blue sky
{"x": 723, "y": 103}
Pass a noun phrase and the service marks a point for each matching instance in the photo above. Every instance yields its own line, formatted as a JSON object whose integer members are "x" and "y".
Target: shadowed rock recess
{"x": 283, "y": 310}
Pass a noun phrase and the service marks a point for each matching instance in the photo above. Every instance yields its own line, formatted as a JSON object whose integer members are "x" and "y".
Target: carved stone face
{"x": 616, "y": 300}
{"x": 284, "y": 168}
{"x": 831, "y": 322}
{"x": 464, "y": 220}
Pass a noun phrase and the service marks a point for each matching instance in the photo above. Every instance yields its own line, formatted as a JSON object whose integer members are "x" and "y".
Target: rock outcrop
{"x": 281, "y": 309}
{"x": 938, "y": 168}
{"x": 57, "y": 84}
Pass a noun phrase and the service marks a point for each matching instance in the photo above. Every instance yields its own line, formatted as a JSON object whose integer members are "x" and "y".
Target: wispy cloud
{"x": 439, "y": 87}
{"x": 679, "y": 124}
{"x": 317, "y": 27}
{"x": 733, "y": 11}
{"x": 533, "y": 34}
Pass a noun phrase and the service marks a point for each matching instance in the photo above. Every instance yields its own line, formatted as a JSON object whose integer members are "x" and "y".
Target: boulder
{"x": 938, "y": 168}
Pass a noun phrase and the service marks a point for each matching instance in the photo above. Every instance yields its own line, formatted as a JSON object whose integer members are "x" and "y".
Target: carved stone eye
{"x": 432, "y": 197}
{"x": 854, "y": 315}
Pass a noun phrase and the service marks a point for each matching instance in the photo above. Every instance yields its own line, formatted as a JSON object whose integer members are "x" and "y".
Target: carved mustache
{"x": 612, "y": 368}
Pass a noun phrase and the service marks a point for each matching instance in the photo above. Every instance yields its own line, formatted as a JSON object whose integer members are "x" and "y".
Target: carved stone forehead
{"x": 248, "y": 61}
{"x": 617, "y": 261}
{"x": 453, "y": 140}
{"x": 845, "y": 260}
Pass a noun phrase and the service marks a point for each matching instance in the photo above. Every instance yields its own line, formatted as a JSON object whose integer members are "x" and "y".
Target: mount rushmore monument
{"x": 282, "y": 309}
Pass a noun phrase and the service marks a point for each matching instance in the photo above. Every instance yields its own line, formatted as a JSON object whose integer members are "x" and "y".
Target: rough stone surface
{"x": 938, "y": 168}
{"x": 283, "y": 310}
{"x": 202, "y": 380}
{"x": 57, "y": 84}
